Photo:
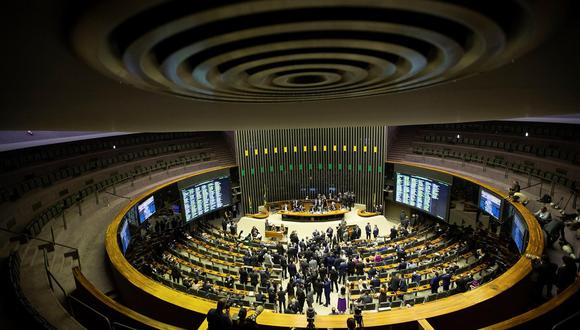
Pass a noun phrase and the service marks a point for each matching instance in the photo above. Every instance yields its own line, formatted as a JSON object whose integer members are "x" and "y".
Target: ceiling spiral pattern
{"x": 293, "y": 51}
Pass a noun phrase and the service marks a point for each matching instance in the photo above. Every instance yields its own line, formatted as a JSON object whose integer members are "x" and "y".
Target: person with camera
{"x": 310, "y": 314}
{"x": 358, "y": 318}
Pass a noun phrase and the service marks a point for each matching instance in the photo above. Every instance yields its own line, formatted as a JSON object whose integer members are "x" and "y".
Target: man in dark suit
{"x": 219, "y": 318}
{"x": 327, "y": 288}
{"x": 243, "y": 276}
{"x": 368, "y": 230}
{"x": 291, "y": 269}
{"x": 394, "y": 283}
{"x": 282, "y": 300}
{"x": 435, "y": 283}
{"x": 446, "y": 279}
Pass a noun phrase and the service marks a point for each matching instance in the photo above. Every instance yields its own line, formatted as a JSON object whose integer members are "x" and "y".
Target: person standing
{"x": 368, "y": 230}
{"x": 243, "y": 276}
{"x": 334, "y": 279}
{"x": 327, "y": 289}
{"x": 318, "y": 289}
{"x": 281, "y": 300}
{"x": 301, "y": 296}
{"x": 435, "y": 283}
{"x": 566, "y": 274}
{"x": 376, "y": 231}
{"x": 446, "y": 281}
{"x": 342, "y": 271}
{"x": 284, "y": 266}
{"x": 341, "y": 304}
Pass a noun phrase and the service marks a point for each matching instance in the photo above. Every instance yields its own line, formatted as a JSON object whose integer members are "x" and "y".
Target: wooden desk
{"x": 274, "y": 234}
{"x": 318, "y": 217}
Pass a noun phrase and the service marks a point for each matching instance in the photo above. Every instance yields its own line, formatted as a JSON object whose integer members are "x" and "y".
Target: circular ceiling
{"x": 293, "y": 51}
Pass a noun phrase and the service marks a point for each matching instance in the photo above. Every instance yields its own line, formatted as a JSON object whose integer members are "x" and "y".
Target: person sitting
{"x": 372, "y": 272}
{"x": 416, "y": 278}
{"x": 543, "y": 215}
{"x": 260, "y": 297}
{"x": 521, "y": 198}
{"x": 383, "y": 295}
{"x": 366, "y": 298}
{"x": 515, "y": 187}
{"x": 375, "y": 282}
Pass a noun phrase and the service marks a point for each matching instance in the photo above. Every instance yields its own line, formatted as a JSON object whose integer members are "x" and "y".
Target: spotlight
{"x": 527, "y": 134}
{"x": 458, "y": 136}
{"x": 114, "y": 147}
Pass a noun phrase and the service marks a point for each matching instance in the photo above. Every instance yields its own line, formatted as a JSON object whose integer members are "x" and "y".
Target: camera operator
{"x": 310, "y": 314}
{"x": 358, "y": 318}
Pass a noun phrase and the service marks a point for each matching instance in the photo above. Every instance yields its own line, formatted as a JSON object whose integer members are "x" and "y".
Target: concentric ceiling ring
{"x": 300, "y": 50}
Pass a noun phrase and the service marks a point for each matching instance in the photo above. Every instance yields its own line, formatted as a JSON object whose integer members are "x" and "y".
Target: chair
{"x": 370, "y": 307}
{"x": 443, "y": 294}
{"x": 419, "y": 300}
{"x": 396, "y": 303}
{"x": 271, "y": 306}
{"x": 431, "y": 297}
{"x": 384, "y": 305}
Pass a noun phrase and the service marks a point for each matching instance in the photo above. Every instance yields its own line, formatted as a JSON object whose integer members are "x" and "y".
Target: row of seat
{"x": 544, "y": 130}
{"x": 16, "y": 159}
{"x": 496, "y": 161}
{"x": 563, "y": 154}
{"x": 56, "y": 209}
{"x": 30, "y": 182}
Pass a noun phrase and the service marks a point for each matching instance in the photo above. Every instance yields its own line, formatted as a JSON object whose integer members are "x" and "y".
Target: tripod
{"x": 573, "y": 194}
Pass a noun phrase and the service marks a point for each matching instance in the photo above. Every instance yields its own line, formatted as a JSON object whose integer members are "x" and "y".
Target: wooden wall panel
{"x": 293, "y": 163}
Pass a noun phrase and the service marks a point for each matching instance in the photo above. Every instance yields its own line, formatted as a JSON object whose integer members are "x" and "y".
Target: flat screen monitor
{"x": 490, "y": 203}
{"x": 146, "y": 209}
{"x": 519, "y": 232}
{"x": 426, "y": 194}
{"x": 125, "y": 236}
{"x": 205, "y": 197}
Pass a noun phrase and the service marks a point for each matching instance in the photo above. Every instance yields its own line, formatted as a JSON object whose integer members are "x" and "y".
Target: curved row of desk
{"x": 488, "y": 304}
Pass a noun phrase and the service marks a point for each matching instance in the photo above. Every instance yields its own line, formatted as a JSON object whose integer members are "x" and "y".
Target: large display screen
{"x": 423, "y": 193}
{"x": 518, "y": 232}
{"x": 206, "y": 197}
{"x": 125, "y": 236}
{"x": 146, "y": 209}
{"x": 490, "y": 203}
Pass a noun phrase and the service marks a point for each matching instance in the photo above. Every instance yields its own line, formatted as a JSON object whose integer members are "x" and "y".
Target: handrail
{"x": 38, "y": 239}
{"x": 92, "y": 310}
{"x": 108, "y": 302}
{"x": 61, "y": 203}
{"x": 110, "y": 193}
{"x": 555, "y": 327}
{"x": 538, "y": 311}
{"x": 117, "y": 325}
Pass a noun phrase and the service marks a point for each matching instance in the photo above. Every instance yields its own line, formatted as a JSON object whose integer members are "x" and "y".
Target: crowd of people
{"x": 321, "y": 203}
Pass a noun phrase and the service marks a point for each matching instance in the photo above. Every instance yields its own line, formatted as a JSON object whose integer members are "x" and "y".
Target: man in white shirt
{"x": 543, "y": 215}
